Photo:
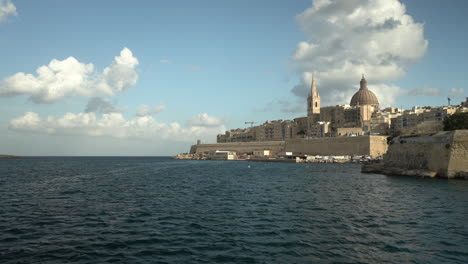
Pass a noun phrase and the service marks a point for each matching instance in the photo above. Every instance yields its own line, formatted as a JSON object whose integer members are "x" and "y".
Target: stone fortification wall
{"x": 240, "y": 147}
{"x": 445, "y": 154}
{"x": 374, "y": 146}
{"x": 458, "y": 163}
{"x": 427, "y": 127}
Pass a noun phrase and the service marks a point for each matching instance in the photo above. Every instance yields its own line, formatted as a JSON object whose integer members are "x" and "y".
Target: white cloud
{"x": 457, "y": 91}
{"x": 204, "y": 120}
{"x": 425, "y": 90}
{"x": 284, "y": 106}
{"x": 145, "y": 110}
{"x": 387, "y": 94}
{"x": 348, "y": 38}
{"x": 7, "y": 8}
{"x": 120, "y": 75}
{"x": 100, "y": 105}
{"x": 70, "y": 77}
{"x": 113, "y": 125}
{"x": 165, "y": 61}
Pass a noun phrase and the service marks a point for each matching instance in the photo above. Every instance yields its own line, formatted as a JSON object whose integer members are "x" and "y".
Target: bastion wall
{"x": 444, "y": 153}
{"x": 241, "y": 147}
{"x": 374, "y": 146}
{"x": 458, "y": 163}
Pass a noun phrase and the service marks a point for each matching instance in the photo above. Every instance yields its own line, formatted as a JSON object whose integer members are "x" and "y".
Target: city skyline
{"x": 149, "y": 79}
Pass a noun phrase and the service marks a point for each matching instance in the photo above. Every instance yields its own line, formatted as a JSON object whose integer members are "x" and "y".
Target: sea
{"x": 159, "y": 210}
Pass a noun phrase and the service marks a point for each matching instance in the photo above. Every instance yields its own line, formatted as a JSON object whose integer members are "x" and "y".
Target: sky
{"x": 149, "y": 78}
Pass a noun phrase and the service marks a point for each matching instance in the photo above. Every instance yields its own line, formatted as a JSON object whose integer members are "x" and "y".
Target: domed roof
{"x": 364, "y": 96}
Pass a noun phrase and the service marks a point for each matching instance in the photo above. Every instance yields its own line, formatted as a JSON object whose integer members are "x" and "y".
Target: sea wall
{"x": 240, "y": 147}
{"x": 444, "y": 154}
{"x": 374, "y": 146}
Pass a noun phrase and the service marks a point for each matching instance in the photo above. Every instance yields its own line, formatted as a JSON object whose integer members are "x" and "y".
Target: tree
{"x": 456, "y": 121}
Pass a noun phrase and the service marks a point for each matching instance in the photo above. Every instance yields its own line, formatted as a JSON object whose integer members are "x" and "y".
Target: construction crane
{"x": 250, "y": 122}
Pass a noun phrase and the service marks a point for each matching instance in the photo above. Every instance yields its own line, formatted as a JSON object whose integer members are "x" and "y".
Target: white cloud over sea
{"x": 101, "y": 117}
{"x": 346, "y": 38}
{"x": 117, "y": 126}
{"x": 205, "y": 120}
{"x": 145, "y": 110}
{"x": 69, "y": 77}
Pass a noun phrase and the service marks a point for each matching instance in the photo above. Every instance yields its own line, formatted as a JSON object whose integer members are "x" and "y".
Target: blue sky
{"x": 205, "y": 66}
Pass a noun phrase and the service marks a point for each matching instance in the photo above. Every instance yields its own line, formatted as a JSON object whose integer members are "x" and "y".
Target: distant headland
{"x": 3, "y": 156}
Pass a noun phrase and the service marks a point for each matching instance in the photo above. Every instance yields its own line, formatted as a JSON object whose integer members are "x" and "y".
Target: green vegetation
{"x": 456, "y": 121}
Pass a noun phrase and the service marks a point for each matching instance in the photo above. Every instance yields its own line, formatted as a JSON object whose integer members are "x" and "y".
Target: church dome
{"x": 364, "y": 96}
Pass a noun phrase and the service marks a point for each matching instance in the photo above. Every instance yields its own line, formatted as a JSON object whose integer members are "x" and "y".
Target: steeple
{"x": 313, "y": 101}
{"x": 313, "y": 87}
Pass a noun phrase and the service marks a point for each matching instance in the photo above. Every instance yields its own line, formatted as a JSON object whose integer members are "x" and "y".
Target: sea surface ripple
{"x": 158, "y": 210}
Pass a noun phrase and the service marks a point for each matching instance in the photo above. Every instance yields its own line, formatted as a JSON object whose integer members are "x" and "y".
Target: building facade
{"x": 362, "y": 116}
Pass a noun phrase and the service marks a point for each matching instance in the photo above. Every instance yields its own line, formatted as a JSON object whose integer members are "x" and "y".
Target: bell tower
{"x": 313, "y": 100}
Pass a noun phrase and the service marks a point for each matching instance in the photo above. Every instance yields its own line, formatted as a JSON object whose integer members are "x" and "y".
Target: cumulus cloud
{"x": 100, "y": 105}
{"x": 7, "y": 8}
{"x": 70, "y": 77}
{"x": 349, "y": 37}
{"x": 113, "y": 125}
{"x": 425, "y": 90}
{"x": 205, "y": 120}
{"x": 387, "y": 94}
{"x": 145, "y": 110}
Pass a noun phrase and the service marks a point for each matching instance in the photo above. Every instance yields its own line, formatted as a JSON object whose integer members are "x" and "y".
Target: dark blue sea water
{"x": 158, "y": 210}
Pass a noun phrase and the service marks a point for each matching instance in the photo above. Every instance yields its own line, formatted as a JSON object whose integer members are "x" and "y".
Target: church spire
{"x": 313, "y": 101}
{"x": 313, "y": 87}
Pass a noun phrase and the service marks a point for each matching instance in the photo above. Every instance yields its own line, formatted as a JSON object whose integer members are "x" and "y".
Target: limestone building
{"x": 465, "y": 104}
{"x": 421, "y": 120}
{"x": 363, "y": 106}
{"x": 276, "y": 130}
{"x": 339, "y": 120}
{"x": 361, "y": 117}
